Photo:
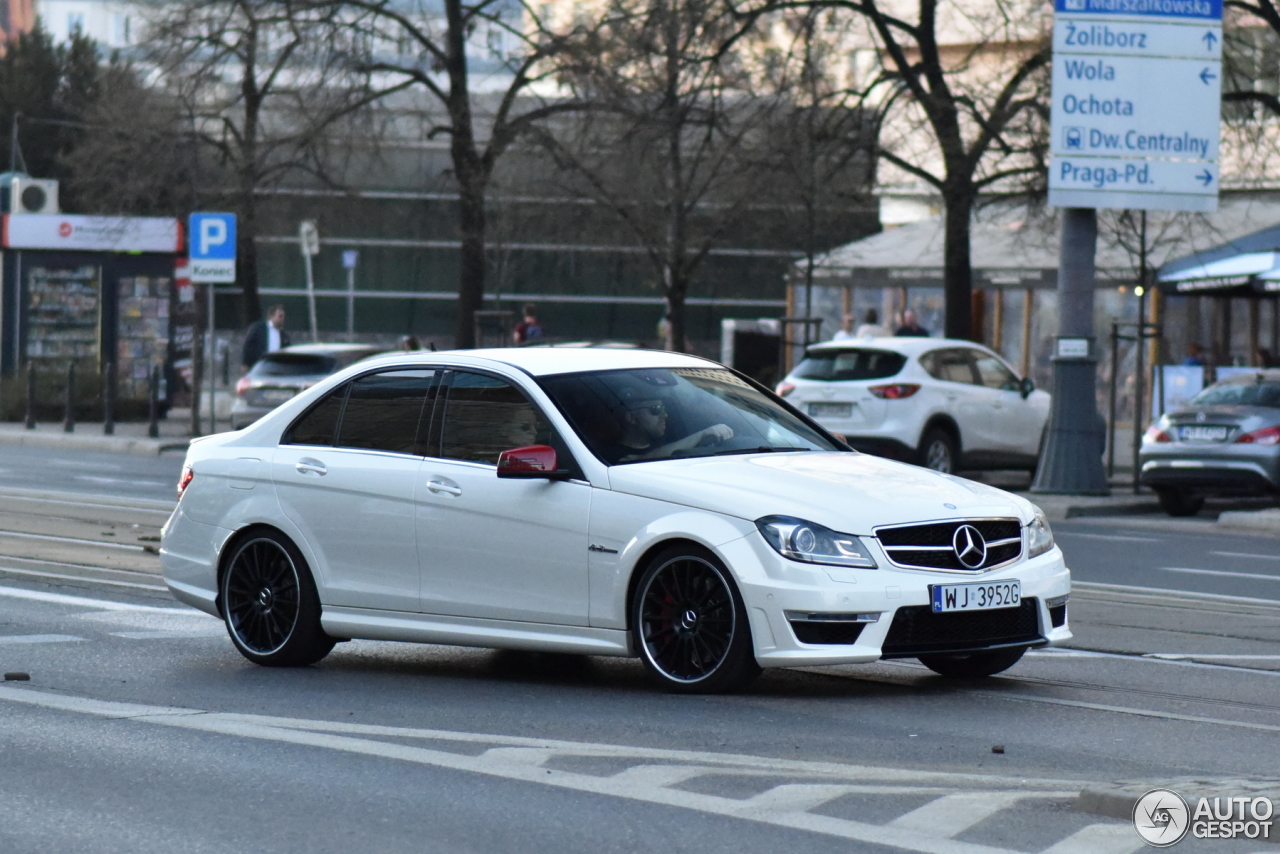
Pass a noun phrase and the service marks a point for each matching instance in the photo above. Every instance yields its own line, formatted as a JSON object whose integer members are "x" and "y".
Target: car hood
{"x": 847, "y": 492}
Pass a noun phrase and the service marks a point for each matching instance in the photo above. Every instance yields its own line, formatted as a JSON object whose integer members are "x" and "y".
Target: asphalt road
{"x": 141, "y": 729}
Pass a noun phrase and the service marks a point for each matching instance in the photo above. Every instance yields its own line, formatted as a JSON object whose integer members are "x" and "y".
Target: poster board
{"x": 143, "y": 340}
{"x": 64, "y": 312}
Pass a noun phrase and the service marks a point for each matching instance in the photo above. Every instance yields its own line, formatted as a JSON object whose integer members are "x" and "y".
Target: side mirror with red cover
{"x": 532, "y": 461}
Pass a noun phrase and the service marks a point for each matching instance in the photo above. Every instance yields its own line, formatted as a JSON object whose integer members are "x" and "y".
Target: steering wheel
{"x": 710, "y": 440}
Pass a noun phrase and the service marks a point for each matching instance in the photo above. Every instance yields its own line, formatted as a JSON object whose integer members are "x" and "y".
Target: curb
{"x": 1266, "y": 521}
{"x": 145, "y": 447}
{"x": 1116, "y": 800}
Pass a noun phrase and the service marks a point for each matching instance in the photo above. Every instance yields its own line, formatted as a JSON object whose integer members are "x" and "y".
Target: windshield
{"x": 655, "y": 414}
{"x": 1239, "y": 394}
{"x": 861, "y": 364}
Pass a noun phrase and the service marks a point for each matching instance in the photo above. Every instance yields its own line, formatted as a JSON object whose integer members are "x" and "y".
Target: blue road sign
{"x": 211, "y": 243}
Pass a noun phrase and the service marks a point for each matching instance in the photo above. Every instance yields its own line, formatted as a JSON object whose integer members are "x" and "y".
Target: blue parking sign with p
{"x": 213, "y": 236}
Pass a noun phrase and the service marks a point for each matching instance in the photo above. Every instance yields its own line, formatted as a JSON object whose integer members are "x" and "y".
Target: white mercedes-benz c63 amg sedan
{"x": 603, "y": 502}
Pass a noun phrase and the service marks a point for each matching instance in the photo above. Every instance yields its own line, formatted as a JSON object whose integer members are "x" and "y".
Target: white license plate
{"x": 831, "y": 410}
{"x": 275, "y": 395}
{"x": 1201, "y": 433}
{"x": 975, "y": 597}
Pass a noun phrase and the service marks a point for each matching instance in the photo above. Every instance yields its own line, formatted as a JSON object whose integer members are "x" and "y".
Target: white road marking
{"x": 1219, "y": 572}
{"x": 26, "y": 498}
{"x": 14, "y": 571}
{"x": 86, "y": 602}
{"x": 1121, "y": 537}
{"x": 644, "y": 786}
{"x": 1246, "y": 554}
{"x": 797, "y": 797}
{"x": 1184, "y": 656}
{"x": 952, "y": 815}
{"x": 16, "y": 639}
{"x": 211, "y": 632}
{"x": 97, "y": 479}
{"x": 26, "y": 536}
{"x": 1100, "y": 839}
{"x": 658, "y": 775}
{"x": 1086, "y": 586}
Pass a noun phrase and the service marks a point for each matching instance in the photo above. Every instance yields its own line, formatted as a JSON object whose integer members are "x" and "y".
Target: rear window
{"x": 294, "y": 365}
{"x": 862, "y": 364}
{"x": 1240, "y": 394}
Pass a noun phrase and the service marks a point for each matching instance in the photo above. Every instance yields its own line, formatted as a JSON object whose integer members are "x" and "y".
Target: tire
{"x": 690, "y": 626}
{"x": 270, "y": 605}
{"x": 938, "y": 451}
{"x": 1179, "y": 502}
{"x": 973, "y": 665}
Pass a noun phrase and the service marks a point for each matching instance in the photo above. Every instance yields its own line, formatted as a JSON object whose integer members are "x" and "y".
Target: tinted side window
{"x": 320, "y": 423}
{"x": 949, "y": 366}
{"x": 485, "y": 416}
{"x": 384, "y": 411}
{"x": 993, "y": 372}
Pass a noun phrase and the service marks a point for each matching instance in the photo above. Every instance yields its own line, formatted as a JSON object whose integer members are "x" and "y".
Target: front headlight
{"x": 804, "y": 541}
{"x": 1039, "y": 537}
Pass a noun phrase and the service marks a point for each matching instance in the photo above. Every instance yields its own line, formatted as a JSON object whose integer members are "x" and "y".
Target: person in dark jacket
{"x": 265, "y": 336}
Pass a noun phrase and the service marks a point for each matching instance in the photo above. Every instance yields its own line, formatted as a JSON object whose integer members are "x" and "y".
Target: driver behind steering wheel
{"x": 645, "y": 425}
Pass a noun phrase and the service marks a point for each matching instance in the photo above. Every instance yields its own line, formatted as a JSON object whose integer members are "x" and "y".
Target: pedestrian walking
{"x": 845, "y": 331}
{"x": 910, "y": 327}
{"x": 871, "y": 327}
{"x": 264, "y": 336}
{"x": 528, "y": 329}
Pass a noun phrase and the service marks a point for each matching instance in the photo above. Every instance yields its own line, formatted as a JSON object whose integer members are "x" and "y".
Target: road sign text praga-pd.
{"x": 1136, "y": 104}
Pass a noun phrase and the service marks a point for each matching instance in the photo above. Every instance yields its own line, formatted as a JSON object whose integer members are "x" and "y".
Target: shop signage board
{"x": 1137, "y": 91}
{"x": 212, "y": 249}
{"x": 90, "y": 233}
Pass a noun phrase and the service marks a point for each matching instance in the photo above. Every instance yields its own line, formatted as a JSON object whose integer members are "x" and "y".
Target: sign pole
{"x": 350, "y": 258}
{"x": 1071, "y": 459}
{"x": 309, "y": 240}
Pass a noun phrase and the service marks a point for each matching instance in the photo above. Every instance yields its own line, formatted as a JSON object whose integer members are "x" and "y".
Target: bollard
{"x": 31, "y": 395}
{"x": 109, "y": 399}
{"x": 153, "y": 390}
{"x": 69, "y": 419}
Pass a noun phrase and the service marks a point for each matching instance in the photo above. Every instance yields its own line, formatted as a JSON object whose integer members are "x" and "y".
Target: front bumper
{"x": 782, "y": 597}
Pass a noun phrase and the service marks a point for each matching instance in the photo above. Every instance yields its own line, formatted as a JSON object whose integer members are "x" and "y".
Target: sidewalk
{"x": 128, "y": 438}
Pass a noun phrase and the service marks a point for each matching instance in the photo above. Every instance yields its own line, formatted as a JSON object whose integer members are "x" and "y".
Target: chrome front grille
{"x": 933, "y": 545}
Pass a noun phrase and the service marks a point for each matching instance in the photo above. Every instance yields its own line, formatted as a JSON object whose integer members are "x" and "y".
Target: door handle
{"x": 440, "y": 486}
{"x": 311, "y": 467}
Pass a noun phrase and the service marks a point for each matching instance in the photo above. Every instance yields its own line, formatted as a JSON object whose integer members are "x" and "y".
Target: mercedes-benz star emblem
{"x": 971, "y": 549}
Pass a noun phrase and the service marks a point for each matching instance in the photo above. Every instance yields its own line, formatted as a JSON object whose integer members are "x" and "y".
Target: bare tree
{"x": 409, "y": 43}
{"x": 665, "y": 147}
{"x": 261, "y": 82}
{"x": 961, "y": 95}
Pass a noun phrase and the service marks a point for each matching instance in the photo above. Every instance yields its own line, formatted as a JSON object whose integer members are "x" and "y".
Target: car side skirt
{"x": 369, "y": 624}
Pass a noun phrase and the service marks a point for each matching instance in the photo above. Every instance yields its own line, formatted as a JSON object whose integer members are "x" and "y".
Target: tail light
{"x": 184, "y": 480}
{"x": 1265, "y": 436}
{"x": 898, "y": 391}
{"x": 784, "y": 389}
{"x": 1155, "y": 435}
{"x": 242, "y": 386}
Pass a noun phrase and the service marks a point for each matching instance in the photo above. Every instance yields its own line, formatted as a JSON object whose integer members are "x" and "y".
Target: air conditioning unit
{"x": 22, "y": 194}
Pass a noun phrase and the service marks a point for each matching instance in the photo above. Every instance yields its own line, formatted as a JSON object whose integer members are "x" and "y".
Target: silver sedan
{"x": 1226, "y": 441}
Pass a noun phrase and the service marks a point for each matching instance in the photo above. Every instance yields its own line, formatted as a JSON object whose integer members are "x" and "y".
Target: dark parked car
{"x": 1225, "y": 441}
{"x": 278, "y": 376}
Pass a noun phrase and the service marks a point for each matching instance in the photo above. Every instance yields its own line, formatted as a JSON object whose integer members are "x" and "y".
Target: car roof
{"x": 322, "y": 349}
{"x": 907, "y": 345}
{"x": 545, "y": 361}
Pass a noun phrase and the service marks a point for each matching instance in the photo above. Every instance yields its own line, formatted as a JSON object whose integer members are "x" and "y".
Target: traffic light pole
{"x": 1071, "y": 459}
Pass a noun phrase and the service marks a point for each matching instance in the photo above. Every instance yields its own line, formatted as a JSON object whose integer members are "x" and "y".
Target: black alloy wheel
{"x": 270, "y": 605}
{"x": 690, "y": 624}
{"x": 973, "y": 665}
{"x": 1179, "y": 502}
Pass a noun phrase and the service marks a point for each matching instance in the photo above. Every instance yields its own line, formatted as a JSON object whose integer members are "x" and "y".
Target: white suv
{"x": 942, "y": 403}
